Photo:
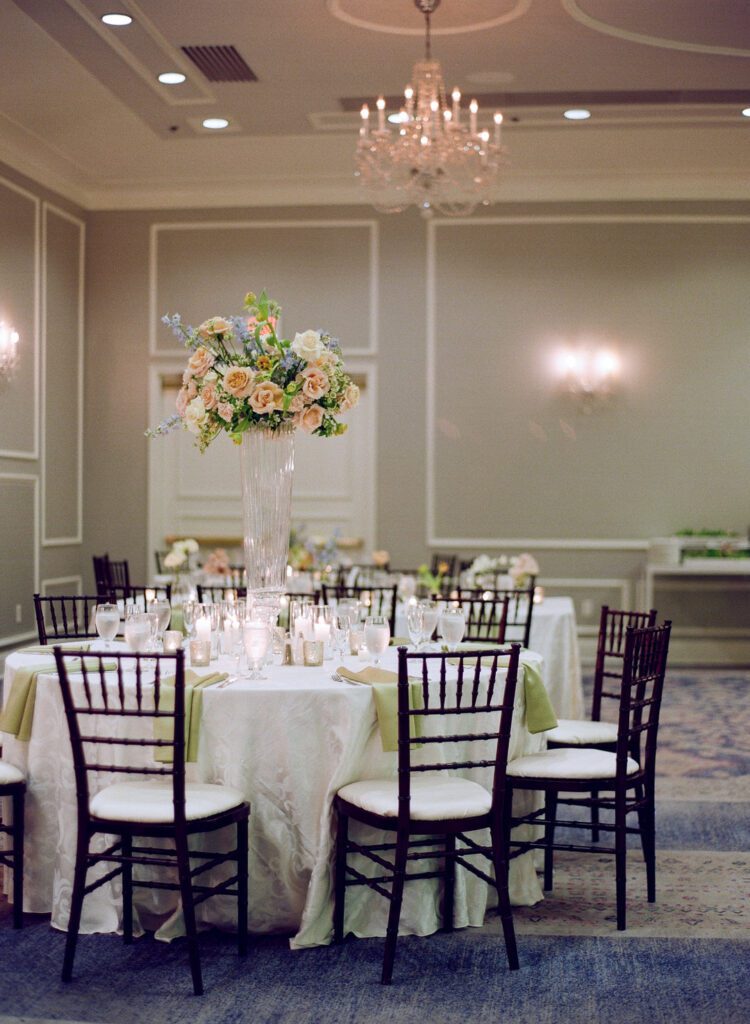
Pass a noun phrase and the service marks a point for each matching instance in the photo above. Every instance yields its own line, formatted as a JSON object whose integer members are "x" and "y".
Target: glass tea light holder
{"x": 172, "y": 641}
{"x": 312, "y": 652}
{"x": 200, "y": 653}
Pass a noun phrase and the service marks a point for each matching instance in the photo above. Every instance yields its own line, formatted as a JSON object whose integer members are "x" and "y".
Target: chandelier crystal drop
{"x": 433, "y": 157}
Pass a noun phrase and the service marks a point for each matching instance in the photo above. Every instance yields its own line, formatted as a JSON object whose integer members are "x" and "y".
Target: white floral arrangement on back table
{"x": 486, "y": 571}
{"x": 242, "y": 375}
{"x": 178, "y": 556}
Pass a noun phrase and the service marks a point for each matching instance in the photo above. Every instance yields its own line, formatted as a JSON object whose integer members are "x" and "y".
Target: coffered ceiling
{"x": 82, "y": 110}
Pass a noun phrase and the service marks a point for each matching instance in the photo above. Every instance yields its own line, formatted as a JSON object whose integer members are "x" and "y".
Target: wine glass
{"x": 415, "y": 623}
{"x": 107, "y": 623}
{"x": 430, "y": 616}
{"x": 256, "y": 638}
{"x": 377, "y": 635}
{"x": 452, "y": 627}
{"x": 163, "y": 611}
{"x": 189, "y": 609}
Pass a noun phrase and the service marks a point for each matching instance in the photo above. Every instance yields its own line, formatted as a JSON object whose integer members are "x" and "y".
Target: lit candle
{"x": 498, "y": 119}
{"x": 409, "y": 97}
{"x": 364, "y": 131}
{"x": 456, "y": 97}
{"x": 380, "y": 104}
{"x": 150, "y": 595}
{"x": 322, "y": 632}
{"x": 473, "y": 108}
{"x": 203, "y": 628}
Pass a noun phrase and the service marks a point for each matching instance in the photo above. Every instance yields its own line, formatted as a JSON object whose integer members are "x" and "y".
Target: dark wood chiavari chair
{"x": 134, "y": 593}
{"x": 418, "y": 805}
{"x": 486, "y": 617}
{"x": 610, "y": 654}
{"x": 66, "y": 617}
{"x": 148, "y": 693}
{"x": 101, "y": 573}
{"x": 444, "y": 565}
{"x": 628, "y": 772}
{"x": 13, "y": 785}
{"x": 215, "y": 595}
{"x": 377, "y": 600}
{"x": 520, "y": 607}
{"x": 159, "y": 557}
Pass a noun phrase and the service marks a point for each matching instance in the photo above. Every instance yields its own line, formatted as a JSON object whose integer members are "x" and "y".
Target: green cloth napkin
{"x": 18, "y": 714}
{"x": 194, "y": 687}
{"x": 78, "y": 645}
{"x": 384, "y": 690}
{"x": 540, "y": 715}
{"x": 400, "y": 641}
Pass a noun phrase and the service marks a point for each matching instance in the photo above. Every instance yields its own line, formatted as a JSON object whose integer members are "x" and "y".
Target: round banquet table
{"x": 555, "y": 638}
{"x": 288, "y": 743}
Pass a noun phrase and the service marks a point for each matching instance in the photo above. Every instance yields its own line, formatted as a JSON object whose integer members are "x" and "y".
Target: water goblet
{"x": 189, "y": 609}
{"x": 430, "y": 616}
{"x": 377, "y": 635}
{"x": 163, "y": 610}
{"x": 107, "y": 623}
{"x": 452, "y": 627}
{"x": 256, "y": 638}
{"x": 137, "y": 631}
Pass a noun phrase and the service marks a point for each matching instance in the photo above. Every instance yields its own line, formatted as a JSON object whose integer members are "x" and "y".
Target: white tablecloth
{"x": 554, "y": 636}
{"x": 289, "y": 744}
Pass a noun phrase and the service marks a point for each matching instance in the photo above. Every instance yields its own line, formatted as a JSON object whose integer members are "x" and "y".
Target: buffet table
{"x": 288, "y": 743}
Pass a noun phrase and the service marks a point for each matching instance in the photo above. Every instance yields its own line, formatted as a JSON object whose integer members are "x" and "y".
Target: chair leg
{"x": 242, "y": 886}
{"x": 394, "y": 915}
{"x": 127, "y": 890}
{"x": 620, "y": 858}
{"x": 500, "y": 849}
{"x": 449, "y": 888}
{"x": 342, "y": 838}
{"x": 647, "y": 824}
{"x": 188, "y": 911}
{"x": 594, "y": 817}
{"x": 550, "y": 813}
{"x": 18, "y": 837}
{"x": 76, "y": 904}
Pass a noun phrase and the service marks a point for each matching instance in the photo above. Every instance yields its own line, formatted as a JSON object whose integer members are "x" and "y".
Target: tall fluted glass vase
{"x": 267, "y": 471}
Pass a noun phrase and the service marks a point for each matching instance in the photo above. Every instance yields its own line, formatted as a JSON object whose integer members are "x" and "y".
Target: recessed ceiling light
{"x": 172, "y": 78}
{"x": 746, "y": 112}
{"x": 577, "y": 115}
{"x": 216, "y": 123}
{"x": 116, "y": 19}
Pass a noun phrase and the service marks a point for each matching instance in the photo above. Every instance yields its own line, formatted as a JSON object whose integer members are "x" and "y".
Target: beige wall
{"x": 41, "y": 470}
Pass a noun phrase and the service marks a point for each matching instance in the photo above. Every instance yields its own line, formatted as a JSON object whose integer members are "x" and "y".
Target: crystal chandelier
{"x": 430, "y": 158}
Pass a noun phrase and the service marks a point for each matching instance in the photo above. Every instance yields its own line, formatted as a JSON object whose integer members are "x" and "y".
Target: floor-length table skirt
{"x": 288, "y": 744}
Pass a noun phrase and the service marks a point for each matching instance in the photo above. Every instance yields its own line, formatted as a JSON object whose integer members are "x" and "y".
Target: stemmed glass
{"x": 189, "y": 609}
{"x": 415, "y": 623}
{"x": 453, "y": 627}
{"x": 137, "y": 631}
{"x": 163, "y": 611}
{"x": 430, "y": 616}
{"x": 107, "y": 623}
{"x": 377, "y": 635}
{"x": 256, "y": 638}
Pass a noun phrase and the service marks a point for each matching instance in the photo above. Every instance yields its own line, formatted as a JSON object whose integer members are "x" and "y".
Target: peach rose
{"x": 351, "y": 397}
{"x": 200, "y": 362}
{"x": 310, "y": 419}
{"x": 209, "y": 396}
{"x": 214, "y": 325}
{"x": 315, "y": 383}
{"x": 266, "y": 398}
{"x": 297, "y": 404}
{"x": 225, "y": 410}
{"x": 182, "y": 400}
{"x": 239, "y": 381}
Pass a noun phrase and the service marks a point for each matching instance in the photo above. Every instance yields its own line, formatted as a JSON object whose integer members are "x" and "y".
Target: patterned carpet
{"x": 683, "y": 960}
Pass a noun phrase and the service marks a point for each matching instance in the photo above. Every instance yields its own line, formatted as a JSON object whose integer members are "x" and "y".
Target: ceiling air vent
{"x": 220, "y": 63}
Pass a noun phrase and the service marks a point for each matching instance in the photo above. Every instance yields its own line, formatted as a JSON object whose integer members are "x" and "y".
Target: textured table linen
{"x": 288, "y": 743}
{"x": 554, "y": 636}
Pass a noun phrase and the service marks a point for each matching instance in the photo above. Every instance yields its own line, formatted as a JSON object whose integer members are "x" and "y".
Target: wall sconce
{"x": 8, "y": 351}
{"x": 589, "y": 374}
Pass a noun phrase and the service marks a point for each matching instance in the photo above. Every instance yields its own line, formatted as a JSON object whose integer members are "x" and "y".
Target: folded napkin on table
{"x": 384, "y": 690}
{"x": 540, "y": 715}
{"x": 400, "y": 641}
{"x": 194, "y": 687}
{"x": 18, "y": 713}
{"x": 77, "y": 645}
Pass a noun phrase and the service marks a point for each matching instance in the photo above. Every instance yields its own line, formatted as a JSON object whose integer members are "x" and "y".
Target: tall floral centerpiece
{"x": 243, "y": 380}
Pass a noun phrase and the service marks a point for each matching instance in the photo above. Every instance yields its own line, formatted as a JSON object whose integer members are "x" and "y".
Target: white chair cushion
{"x": 569, "y": 763}
{"x": 151, "y": 802}
{"x": 433, "y": 797}
{"x": 582, "y": 733}
{"x": 9, "y": 774}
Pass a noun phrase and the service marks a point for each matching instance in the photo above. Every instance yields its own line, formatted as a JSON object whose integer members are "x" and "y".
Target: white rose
{"x": 308, "y": 346}
{"x": 189, "y": 546}
{"x": 174, "y": 559}
{"x": 195, "y": 415}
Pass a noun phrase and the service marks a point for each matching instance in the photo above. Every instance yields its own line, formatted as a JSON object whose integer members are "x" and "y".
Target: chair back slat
{"x": 445, "y": 698}
{"x": 645, "y": 661}
{"x": 378, "y": 600}
{"x": 610, "y": 651}
{"x": 68, "y": 616}
{"x": 519, "y": 610}
{"x": 485, "y": 613}
{"x": 130, "y": 698}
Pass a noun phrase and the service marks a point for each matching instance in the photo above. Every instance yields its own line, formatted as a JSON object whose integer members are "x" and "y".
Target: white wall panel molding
{"x": 31, "y": 454}
{"x": 76, "y": 537}
{"x": 370, "y": 349}
{"x": 33, "y": 481}
{"x": 58, "y": 581}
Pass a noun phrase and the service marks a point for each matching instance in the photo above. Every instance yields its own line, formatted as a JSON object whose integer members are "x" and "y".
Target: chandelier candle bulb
{"x": 498, "y": 119}
{"x": 381, "y": 113}
{"x": 365, "y": 115}
{"x": 473, "y": 108}
{"x": 456, "y": 97}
